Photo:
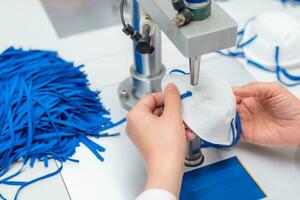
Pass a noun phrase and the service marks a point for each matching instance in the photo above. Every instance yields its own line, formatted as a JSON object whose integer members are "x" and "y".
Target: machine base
{"x": 126, "y": 90}
{"x": 195, "y": 163}
{"x": 136, "y": 87}
{"x": 194, "y": 156}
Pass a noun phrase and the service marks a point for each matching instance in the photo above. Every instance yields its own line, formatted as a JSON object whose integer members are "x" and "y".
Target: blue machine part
{"x": 296, "y": 2}
{"x": 136, "y": 24}
{"x": 224, "y": 180}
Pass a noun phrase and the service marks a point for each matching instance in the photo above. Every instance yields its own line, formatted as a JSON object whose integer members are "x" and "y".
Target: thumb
{"x": 260, "y": 90}
{"x": 172, "y": 102}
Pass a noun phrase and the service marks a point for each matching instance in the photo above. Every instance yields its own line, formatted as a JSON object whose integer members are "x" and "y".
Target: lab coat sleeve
{"x": 157, "y": 194}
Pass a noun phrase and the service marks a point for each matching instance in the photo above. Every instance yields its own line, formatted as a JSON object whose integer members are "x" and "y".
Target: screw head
{"x": 179, "y": 20}
{"x": 124, "y": 94}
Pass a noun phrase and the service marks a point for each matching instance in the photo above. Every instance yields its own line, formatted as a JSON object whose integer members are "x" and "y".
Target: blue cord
{"x": 38, "y": 179}
{"x": 241, "y": 45}
{"x": 186, "y": 95}
{"x": 179, "y": 71}
{"x": 235, "y": 135}
{"x": 46, "y": 111}
{"x": 2, "y": 197}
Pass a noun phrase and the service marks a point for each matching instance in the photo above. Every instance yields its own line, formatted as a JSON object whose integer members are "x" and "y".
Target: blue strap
{"x": 281, "y": 71}
{"x": 12, "y": 176}
{"x": 231, "y": 54}
{"x": 179, "y": 71}
{"x": 2, "y": 197}
{"x": 255, "y": 64}
{"x": 186, "y": 95}
{"x": 247, "y": 42}
{"x": 38, "y": 179}
{"x": 236, "y": 130}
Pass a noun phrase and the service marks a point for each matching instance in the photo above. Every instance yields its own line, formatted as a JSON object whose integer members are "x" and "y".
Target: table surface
{"x": 26, "y": 24}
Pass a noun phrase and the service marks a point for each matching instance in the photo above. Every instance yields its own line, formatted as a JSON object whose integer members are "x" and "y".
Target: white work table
{"x": 107, "y": 56}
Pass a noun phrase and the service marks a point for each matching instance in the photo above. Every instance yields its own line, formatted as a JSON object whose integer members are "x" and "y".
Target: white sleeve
{"x": 157, "y": 194}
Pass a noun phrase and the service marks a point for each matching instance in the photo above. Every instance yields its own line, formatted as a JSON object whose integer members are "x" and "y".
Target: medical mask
{"x": 271, "y": 42}
{"x": 274, "y": 29}
{"x": 211, "y": 110}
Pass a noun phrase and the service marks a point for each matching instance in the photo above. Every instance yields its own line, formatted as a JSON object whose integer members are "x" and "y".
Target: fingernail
{"x": 238, "y": 89}
{"x": 171, "y": 86}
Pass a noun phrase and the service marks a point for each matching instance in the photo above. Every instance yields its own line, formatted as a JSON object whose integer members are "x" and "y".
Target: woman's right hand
{"x": 269, "y": 113}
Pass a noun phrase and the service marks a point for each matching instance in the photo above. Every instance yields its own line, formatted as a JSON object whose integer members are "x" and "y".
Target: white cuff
{"x": 157, "y": 194}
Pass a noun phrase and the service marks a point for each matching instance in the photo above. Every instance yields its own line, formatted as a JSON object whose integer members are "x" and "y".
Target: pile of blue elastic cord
{"x": 292, "y": 80}
{"x": 46, "y": 111}
{"x": 236, "y": 127}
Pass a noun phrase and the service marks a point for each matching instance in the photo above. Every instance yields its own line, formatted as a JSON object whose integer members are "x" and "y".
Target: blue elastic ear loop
{"x": 179, "y": 71}
{"x": 282, "y": 71}
{"x": 249, "y": 41}
{"x": 38, "y": 179}
{"x": 2, "y": 197}
{"x": 24, "y": 184}
{"x": 240, "y": 44}
{"x": 186, "y": 95}
{"x": 3, "y": 181}
{"x": 236, "y": 135}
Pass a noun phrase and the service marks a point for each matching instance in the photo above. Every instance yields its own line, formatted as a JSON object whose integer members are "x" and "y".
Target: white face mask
{"x": 274, "y": 29}
{"x": 210, "y": 111}
{"x": 270, "y": 42}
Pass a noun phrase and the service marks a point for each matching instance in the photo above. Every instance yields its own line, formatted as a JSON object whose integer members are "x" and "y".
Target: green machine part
{"x": 200, "y": 14}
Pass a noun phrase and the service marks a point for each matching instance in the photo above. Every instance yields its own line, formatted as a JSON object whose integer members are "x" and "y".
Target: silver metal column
{"x": 148, "y": 79}
{"x": 194, "y": 156}
{"x": 147, "y": 72}
{"x": 195, "y": 70}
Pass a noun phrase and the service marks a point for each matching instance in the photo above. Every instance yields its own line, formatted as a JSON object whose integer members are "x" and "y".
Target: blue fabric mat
{"x": 224, "y": 180}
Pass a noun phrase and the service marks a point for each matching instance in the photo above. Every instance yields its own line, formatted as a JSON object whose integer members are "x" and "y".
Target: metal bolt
{"x": 179, "y": 20}
{"x": 124, "y": 95}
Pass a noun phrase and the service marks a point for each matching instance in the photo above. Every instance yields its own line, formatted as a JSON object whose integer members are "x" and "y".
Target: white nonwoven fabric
{"x": 211, "y": 108}
{"x": 274, "y": 29}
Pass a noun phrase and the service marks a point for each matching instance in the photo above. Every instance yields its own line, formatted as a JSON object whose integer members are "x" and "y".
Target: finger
{"x": 172, "y": 102}
{"x": 241, "y": 92}
{"x": 190, "y": 135}
{"x": 150, "y": 102}
{"x": 238, "y": 99}
{"x": 261, "y": 90}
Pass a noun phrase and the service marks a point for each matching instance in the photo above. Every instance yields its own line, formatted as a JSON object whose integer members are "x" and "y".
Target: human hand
{"x": 160, "y": 136}
{"x": 269, "y": 113}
